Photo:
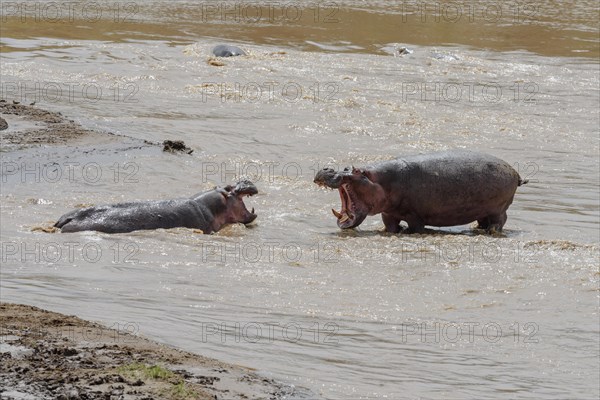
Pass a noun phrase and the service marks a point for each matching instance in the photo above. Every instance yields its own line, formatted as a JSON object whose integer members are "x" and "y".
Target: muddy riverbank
{"x": 47, "y": 355}
{"x": 30, "y": 126}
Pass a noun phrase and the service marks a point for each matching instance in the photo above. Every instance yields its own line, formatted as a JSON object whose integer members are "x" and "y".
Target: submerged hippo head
{"x": 224, "y": 50}
{"x": 229, "y": 204}
{"x": 360, "y": 195}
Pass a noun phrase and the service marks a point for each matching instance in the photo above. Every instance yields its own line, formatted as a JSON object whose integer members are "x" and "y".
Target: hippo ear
{"x": 357, "y": 171}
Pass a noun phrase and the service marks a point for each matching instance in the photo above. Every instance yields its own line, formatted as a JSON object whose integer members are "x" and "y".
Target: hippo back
{"x": 127, "y": 217}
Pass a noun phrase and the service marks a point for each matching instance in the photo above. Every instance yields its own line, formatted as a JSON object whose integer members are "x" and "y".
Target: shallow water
{"x": 358, "y": 314}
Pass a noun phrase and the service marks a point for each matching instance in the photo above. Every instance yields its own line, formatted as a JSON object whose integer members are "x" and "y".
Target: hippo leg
{"x": 483, "y": 223}
{"x": 392, "y": 224}
{"x": 493, "y": 223}
{"x": 415, "y": 224}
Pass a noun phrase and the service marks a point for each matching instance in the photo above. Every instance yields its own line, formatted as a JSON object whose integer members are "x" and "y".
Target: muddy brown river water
{"x": 340, "y": 314}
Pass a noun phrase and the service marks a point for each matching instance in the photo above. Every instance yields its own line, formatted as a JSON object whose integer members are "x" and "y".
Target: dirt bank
{"x": 29, "y": 125}
{"x": 46, "y": 355}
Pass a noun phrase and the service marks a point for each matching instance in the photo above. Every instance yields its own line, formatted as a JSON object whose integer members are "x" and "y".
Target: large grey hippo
{"x": 437, "y": 189}
{"x": 208, "y": 211}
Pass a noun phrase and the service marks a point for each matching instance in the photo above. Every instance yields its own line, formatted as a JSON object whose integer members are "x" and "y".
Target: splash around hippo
{"x": 438, "y": 189}
{"x": 208, "y": 211}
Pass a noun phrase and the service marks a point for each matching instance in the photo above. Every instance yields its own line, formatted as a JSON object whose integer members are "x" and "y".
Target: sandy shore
{"x": 47, "y": 355}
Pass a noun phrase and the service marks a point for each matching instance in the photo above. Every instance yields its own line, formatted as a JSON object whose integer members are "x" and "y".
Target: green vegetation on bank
{"x": 179, "y": 390}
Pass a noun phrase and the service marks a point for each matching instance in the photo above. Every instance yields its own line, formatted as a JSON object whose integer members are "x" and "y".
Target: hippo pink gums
{"x": 208, "y": 211}
{"x": 438, "y": 189}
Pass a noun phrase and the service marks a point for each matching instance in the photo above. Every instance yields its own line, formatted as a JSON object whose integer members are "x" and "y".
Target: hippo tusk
{"x": 344, "y": 218}
{"x": 337, "y": 214}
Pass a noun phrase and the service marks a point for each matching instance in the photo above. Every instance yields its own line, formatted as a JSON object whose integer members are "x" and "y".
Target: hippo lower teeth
{"x": 337, "y": 214}
{"x": 344, "y": 218}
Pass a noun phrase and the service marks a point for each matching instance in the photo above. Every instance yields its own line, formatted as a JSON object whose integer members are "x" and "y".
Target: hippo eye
{"x": 223, "y": 192}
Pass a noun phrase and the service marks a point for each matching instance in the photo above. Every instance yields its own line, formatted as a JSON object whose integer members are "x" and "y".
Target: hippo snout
{"x": 328, "y": 177}
{"x": 246, "y": 188}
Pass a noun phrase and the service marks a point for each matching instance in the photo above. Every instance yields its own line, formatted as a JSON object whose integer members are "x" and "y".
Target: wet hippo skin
{"x": 438, "y": 189}
{"x": 208, "y": 211}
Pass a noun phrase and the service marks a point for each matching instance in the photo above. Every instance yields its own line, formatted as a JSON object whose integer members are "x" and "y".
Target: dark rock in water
{"x": 3, "y": 124}
{"x": 402, "y": 51}
{"x": 223, "y": 50}
{"x": 173, "y": 146}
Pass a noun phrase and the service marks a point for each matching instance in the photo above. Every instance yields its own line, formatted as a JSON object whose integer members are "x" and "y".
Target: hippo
{"x": 446, "y": 188}
{"x": 224, "y": 50}
{"x": 208, "y": 211}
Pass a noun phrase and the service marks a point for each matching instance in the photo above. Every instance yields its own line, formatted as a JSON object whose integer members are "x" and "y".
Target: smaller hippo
{"x": 438, "y": 189}
{"x": 224, "y": 50}
{"x": 208, "y": 211}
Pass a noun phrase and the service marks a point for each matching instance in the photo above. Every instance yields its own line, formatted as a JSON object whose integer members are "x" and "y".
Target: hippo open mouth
{"x": 353, "y": 211}
{"x": 348, "y": 217}
{"x": 249, "y": 216}
{"x": 244, "y": 188}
